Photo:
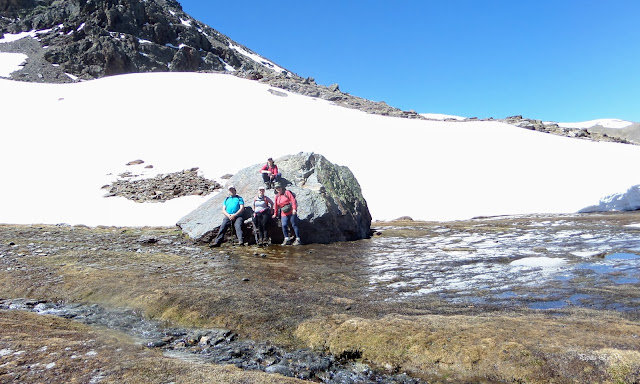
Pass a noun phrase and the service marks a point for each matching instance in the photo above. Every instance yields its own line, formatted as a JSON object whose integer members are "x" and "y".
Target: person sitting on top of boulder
{"x": 288, "y": 206}
{"x": 262, "y": 206}
{"x": 270, "y": 173}
{"x": 232, "y": 208}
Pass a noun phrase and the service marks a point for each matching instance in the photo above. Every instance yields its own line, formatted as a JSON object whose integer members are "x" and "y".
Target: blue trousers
{"x": 237, "y": 223}
{"x": 293, "y": 219}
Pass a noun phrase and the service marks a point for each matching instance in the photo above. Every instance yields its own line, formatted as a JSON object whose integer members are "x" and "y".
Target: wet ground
{"x": 543, "y": 264}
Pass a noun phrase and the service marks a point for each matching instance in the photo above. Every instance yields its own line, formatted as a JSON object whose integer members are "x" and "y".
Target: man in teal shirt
{"x": 232, "y": 208}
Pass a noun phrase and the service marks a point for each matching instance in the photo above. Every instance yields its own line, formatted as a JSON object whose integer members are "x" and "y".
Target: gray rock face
{"x": 96, "y": 38}
{"x": 630, "y": 133}
{"x": 331, "y": 207}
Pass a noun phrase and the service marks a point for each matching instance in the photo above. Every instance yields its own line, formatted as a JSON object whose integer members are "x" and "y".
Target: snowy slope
{"x": 62, "y": 143}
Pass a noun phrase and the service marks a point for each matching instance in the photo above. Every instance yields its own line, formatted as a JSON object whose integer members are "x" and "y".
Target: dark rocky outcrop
{"x": 331, "y": 207}
{"x": 95, "y": 38}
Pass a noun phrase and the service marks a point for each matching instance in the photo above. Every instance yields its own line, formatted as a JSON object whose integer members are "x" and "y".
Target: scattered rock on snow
{"x": 163, "y": 187}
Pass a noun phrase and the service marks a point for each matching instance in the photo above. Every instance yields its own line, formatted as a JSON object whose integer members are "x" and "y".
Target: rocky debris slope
{"x": 331, "y": 207}
{"x": 308, "y": 87}
{"x": 580, "y": 133}
{"x": 162, "y": 187}
{"x": 629, "y": 135}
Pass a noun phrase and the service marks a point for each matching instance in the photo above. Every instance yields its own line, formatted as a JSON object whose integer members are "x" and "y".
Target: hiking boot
{"x": 297, "y": 241}
{"x": 287, "y": 241}
{"x": 214, "y": 245}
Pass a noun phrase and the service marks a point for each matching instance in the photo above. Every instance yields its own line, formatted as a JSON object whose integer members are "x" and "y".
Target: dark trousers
{"x": 293, "y": 219}
{"x": 261, "y": 221}
{"x": 267, "y": 176}
{"x": 237, "y": 223}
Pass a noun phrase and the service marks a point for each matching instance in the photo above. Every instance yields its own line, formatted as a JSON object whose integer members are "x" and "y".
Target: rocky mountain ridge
{"x": 75, "y": 40}
{"x": 96, "y": 38}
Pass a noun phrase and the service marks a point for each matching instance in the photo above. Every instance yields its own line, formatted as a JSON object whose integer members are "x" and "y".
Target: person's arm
{"x": 269, "y": 202}
{"x": 264, "y": 169}
{"x": 241, "y": 209}
{"x": 275, "y": 206}
{"x": 224, "y": 211}
{"x": 239, "y": 212}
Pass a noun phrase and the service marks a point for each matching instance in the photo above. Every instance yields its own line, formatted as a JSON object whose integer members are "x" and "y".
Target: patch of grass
{"x": 533, "y": 348}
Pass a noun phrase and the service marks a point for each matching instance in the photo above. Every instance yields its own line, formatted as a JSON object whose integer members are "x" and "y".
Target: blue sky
{"x": 559, "y": 60}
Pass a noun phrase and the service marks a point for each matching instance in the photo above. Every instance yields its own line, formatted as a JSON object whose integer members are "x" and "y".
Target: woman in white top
{"x": 262, "y": 206}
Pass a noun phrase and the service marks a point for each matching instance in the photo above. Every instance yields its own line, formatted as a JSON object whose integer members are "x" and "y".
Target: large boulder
{"x": 331, "y": 207}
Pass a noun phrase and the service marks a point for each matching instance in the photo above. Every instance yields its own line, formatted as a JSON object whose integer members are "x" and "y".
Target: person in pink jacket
{"x": 286, "y": 203}
{"x": 270, "y": 173}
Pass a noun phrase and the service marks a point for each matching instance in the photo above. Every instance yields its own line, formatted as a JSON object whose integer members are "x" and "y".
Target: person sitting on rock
{"x": 288, "y": 206}
{"x": 232, "y": 208}
{"x": 262, "y": 206}
{"x": 270, "y": 174}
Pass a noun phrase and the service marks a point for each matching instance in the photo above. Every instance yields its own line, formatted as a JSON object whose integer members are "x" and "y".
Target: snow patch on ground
{"x": 439, "y": 116}
{"x": 622, "y": 201}
{"x": 11, "y": 62}
{"x": 541, "y": 262}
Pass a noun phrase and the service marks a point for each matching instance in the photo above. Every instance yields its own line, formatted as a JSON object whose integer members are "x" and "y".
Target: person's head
{"x": 261, "y": 191}
{"x": 279, "y": 188}
{"x": 232, "y": 190}
{"x": 270, "y": 161}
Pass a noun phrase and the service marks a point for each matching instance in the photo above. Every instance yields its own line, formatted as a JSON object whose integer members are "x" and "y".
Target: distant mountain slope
{"x": 96, "y": 38}
{"x": 88, "y": 39}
